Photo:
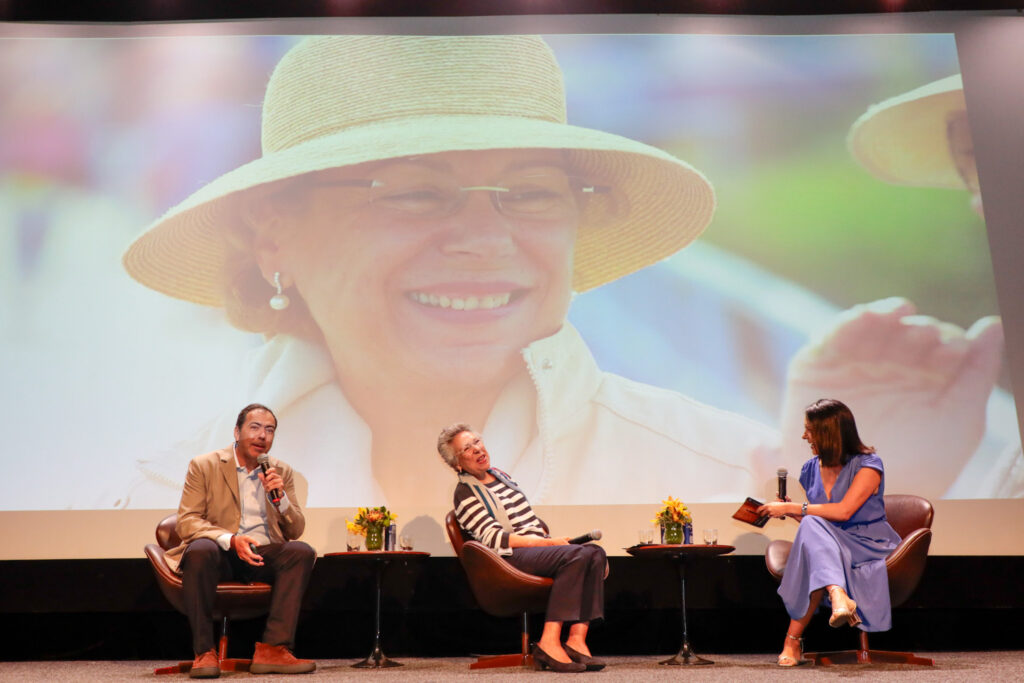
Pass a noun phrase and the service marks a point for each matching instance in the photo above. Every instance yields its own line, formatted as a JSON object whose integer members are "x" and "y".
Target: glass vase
{"x": 673, "y": 533}
{"x": 374, "y": 538}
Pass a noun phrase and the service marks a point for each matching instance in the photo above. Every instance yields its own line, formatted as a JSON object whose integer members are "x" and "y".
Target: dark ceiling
{"x": 178, "y": 10}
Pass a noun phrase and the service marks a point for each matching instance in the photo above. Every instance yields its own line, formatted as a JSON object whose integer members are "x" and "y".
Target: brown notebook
{"x": 748, "y": 513}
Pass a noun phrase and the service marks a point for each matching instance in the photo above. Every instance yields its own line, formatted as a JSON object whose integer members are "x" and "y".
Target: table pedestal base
{"x": 686, "y": 656}
{"x": 376, "y": 660}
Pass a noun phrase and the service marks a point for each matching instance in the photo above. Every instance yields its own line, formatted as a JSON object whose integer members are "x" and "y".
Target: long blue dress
{"x": 850, "y": 554}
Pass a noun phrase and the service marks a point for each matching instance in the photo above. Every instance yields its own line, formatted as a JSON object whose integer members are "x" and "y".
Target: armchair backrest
{"x": 906, "y": 513}
{"x": 167, "y": 532}
{"x": 455, "y": 533}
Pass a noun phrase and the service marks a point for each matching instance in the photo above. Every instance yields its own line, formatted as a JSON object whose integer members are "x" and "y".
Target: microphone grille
{"x": 263, "y": 459}
{"x": 596, "y": 533}
{"x": 783, "y": 472}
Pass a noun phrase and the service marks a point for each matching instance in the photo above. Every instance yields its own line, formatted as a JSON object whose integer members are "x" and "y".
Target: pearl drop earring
{"x": 279, "y": 301}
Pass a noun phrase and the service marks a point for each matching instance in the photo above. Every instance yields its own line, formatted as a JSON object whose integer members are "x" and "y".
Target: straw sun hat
{"x": 903, "y": 139}
{"x": 339, "y": 100}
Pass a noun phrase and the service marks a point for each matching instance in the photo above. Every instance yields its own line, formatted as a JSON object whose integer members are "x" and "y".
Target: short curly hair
{"x": 444, "y": 443}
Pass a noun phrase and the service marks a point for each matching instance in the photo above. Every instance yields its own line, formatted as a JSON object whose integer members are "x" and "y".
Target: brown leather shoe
{"x": 205, "y": 665}
{"x": 277, "y": 659}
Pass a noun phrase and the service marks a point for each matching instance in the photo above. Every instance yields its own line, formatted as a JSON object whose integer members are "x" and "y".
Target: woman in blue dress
{"x": 840, "y": 547}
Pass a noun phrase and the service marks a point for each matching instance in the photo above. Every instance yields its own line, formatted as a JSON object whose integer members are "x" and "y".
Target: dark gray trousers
{"x": 578, "y": 572}
{"x": 286, "y": 565}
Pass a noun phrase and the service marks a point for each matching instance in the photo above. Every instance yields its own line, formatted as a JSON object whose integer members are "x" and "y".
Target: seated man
{"x": 230, "y": 532}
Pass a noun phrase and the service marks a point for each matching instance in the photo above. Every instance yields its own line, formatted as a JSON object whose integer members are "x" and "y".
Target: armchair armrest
{"x": 776, "y": 555}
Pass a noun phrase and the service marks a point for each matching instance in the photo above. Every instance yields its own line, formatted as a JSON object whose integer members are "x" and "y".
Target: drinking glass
{"x": 405, "y": 542}
{"x": 711, "y": 536}
{"x": 645, "y": 536}
{"x": 353, "y": 541}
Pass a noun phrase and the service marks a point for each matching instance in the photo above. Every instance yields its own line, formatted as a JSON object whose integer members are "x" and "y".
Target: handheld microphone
{"x": 594, "y": 535}
{"x": 275, "y": 495}
{"x": 782, "y": 473}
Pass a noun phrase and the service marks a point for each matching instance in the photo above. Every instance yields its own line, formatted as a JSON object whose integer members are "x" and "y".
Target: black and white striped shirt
{"x": 483, "y": 527}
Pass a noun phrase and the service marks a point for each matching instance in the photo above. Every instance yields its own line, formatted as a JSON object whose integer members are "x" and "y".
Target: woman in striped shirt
{"x": 494, "y": 511}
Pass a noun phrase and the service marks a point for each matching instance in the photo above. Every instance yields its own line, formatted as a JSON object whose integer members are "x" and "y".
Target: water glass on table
{"x": 711, "y": 536}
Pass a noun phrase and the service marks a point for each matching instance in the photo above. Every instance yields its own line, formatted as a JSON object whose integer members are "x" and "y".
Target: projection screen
{"x": 628, "y": 250}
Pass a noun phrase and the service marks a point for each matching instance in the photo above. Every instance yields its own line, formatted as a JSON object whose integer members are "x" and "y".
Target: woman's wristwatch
{"x": 803, "y": 509}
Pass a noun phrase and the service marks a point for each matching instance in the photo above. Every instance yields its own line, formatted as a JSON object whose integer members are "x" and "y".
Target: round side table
{"x": 379, "y": 559}
{"x": 679, "y": 555}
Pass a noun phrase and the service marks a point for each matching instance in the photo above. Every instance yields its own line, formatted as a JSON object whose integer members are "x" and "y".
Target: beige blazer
{"x": 209, "y": 503}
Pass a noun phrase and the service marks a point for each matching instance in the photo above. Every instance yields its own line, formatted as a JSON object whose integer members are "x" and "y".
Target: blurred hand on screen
{"x": 917, "y": 386}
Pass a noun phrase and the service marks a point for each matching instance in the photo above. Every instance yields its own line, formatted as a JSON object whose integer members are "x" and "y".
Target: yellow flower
{"x": 673, "y": 510}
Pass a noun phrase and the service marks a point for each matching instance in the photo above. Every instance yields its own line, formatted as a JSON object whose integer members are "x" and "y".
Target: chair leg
{"x": 865, "y": 655}
{"x": 222, "y": 645}
{"x": 226, "y": 663}
{"x": 523, "y": 658}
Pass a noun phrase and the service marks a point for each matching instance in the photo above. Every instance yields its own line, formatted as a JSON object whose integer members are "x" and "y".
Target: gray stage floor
{"x": 949, "y": 666}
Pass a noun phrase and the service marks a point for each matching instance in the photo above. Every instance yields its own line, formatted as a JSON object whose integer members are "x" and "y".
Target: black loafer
{"x": 591, "y": 663}
{"x": 542, "y": 660}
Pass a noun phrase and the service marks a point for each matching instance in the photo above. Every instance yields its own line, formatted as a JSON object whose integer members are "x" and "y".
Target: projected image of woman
{"x": 428, "y": 214}
{"x": 409, "y": 244}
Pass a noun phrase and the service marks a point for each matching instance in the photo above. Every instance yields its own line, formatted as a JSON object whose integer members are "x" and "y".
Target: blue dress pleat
{"x": 850, "y": 554}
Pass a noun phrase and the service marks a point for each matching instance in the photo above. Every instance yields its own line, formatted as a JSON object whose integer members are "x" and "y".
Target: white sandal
{"x": 844, "y": 609}
{"x": 786, "y": 660}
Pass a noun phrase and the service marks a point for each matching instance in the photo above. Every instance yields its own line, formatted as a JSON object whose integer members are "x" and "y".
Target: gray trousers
{"x": 286, "y": 565}
{"x": 577, "y": 593}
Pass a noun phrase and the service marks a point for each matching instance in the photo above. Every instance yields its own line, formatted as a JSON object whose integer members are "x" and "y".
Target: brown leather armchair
{"x": 235, "y": 600}
{"x": 911, "y": 517}
{"x": 500, "y": 589}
